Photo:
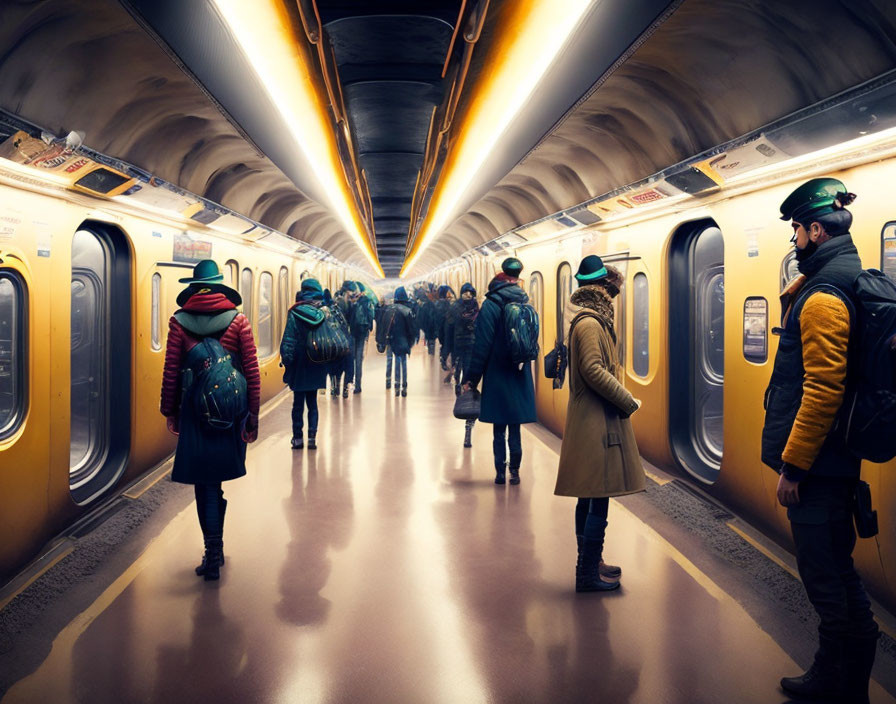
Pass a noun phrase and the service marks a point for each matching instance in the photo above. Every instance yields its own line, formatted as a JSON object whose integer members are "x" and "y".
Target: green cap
{"x": 816, "y": 197}
{"x": 512, "y": 267}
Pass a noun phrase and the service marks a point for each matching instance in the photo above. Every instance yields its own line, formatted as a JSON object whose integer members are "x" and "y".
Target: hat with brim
{"x": 591, "y": 270}
{"x": 232, "y": 295}
{"x": 816, "y": 197}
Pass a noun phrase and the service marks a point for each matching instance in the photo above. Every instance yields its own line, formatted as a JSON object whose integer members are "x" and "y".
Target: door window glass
{"x": 640, "y": 325}
{"x": 564, "y": 291}
{"x": 536, "y": 294}
{"x": 756, "y": 330}
{"x": 246, "y": 293}
{"x": 89, "y": 355}
{"x": 265, "y": 318}
{"x": 285, "y": 295}
{"x": 888, "y": 250}
{"x": 156, "y": 313}
{"x": 789, "y": 270}
{"x": 12, "y": 353}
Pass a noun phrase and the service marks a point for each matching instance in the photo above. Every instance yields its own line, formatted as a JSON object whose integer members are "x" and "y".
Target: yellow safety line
{"x": 656, "y": 478}
{"x": 36, "y": 575}
{"x": 764, "y": 550}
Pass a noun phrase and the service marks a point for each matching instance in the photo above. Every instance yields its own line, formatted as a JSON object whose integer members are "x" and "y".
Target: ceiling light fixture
{"x": 532, "y": 37}
{"x": 263, "y": 32}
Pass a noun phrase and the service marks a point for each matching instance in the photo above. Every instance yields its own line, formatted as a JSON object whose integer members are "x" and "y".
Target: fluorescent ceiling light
{"x": 531, "y": 39}
{"x": 266, "y": 38}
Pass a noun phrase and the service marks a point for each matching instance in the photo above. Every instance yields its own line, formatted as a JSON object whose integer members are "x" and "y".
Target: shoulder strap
{"x": 588, "y": 314}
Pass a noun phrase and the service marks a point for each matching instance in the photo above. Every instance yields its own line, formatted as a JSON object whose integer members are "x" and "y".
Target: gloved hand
{"x": 173, "y": 425}
{"x": 249, "y": 432}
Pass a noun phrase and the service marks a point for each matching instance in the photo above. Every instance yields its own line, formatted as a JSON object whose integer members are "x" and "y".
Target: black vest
{"x": 834, "y": 266}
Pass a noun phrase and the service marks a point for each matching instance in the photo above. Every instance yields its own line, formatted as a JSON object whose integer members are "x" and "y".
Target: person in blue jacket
{"x": 508, "y": 391}
{"x": 399, "y": 333}
{"x": 303, "y": 376}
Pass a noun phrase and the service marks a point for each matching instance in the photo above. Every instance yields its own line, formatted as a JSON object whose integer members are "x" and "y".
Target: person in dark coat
{"x": 440, "y": 315}
{"x": 426, "y": 318}
{"x": 508, "y": 392}
{"x": 462, "y": 333}
{"x": 206, "y": 457}
{"x": 383, "y": 321}
{"x": 599, "y": 456}
{"x": 303, "y": 376}
{"x": 334, "y": 369}
{"x": 345, "y": 367}
{"x": 400, "y": 333}
{"x": 818, "y": 473}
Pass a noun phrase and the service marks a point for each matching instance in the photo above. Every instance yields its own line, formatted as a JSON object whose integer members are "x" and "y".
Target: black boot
{"x": 388, "y": 384}
{"x": 499, "y": 475}
{"x": 609, "y": 573}
{"x": 468, "y": 434}
{"x": 397, "y": 389}
{"x": 858, "y": 661}
{"x": 824, "y": 679}
{"x": 514, "y": 474}
{"x": 297, "y": 442}
{"x": 312, "y": 439}
{"x": 345, "y": 390}
{"x": 404, "y": 390}
{"x": 588, "y": 577}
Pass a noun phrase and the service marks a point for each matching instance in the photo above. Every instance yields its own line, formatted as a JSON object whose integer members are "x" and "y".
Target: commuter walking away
{"x": 360, "y": 323}
{"x": 599, "y": 456}
{"x": 818, "y": 473}
{"x": 383, "y": 321}
{"x": 508, "y": 391}
{"x": 304, "y": 376}
{"x": 427, "y": 319}
{"x": 399, "y": 333}
{"x": 462, "y": 332}
{"x": 336, "y": 368}
{"x": 345, "y": 368}
{"x": 211, "y": 390}
{"x": 441, "y": 312}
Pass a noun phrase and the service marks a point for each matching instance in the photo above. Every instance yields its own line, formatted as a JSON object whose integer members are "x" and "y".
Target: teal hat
{"x": 818, "y": 196}
{"x": 312, "y": 285}
{"x": 205, "y": 272}
{"x": 512, "y": 267}
{"x": 591, "y": 269}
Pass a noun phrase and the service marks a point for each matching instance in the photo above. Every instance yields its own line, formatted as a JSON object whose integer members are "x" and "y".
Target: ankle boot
{"x": 345, "y": 390}
{"x": 824, "y": 678}
{"x": 514, "y": 474}
{"x": 388, "y": 384}
{"x": 404, "y": 390}
{"x": 609, "y": 573}
{"x": 858, "y": 661}
{"x": 588, "y": 578}
{"x": 297, "y": 442}
{"x": 212, "y": 560}
{"x": 468, "y": 435}
{"x": 397, "y": 389}
{"x": 499, "y": 474}
{"x": 312, "y": 439}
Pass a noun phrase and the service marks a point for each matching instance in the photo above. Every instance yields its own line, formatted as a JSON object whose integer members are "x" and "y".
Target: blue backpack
{"x": 214, "y": 386}
{"x": 520, "y": 331}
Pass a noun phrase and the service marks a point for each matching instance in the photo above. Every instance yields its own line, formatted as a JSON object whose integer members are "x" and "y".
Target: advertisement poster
{"x": 755, "y": 329}
{"x": 188, "y": 250}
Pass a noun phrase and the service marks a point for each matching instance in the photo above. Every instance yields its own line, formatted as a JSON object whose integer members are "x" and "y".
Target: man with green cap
{"x": 508, "y": 390}
{"x": 818, "y": 474}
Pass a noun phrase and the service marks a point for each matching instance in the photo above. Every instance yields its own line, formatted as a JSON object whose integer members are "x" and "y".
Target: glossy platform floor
{"x": 387, "y": 567}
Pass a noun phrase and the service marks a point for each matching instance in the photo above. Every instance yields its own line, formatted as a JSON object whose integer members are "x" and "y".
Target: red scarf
{"x": 208, "y": 303}
{"x": 506, "y": 277}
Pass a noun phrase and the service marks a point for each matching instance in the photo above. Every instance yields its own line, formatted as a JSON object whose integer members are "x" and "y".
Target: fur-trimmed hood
{"x": 595, "y": 299}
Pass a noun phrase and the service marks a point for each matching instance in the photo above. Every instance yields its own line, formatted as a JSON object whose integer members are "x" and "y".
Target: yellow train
{"x": 87, "y": 285}
{"x": 703, "y": 278}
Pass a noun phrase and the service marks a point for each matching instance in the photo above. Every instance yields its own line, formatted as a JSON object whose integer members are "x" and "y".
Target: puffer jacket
{"x": 301, "y": 373}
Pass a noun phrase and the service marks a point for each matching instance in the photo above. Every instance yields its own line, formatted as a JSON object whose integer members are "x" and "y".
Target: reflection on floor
{"x": 387, "y": 567}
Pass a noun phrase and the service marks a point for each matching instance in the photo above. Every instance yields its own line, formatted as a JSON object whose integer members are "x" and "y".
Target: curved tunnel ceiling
{"x": 710, "y": 73}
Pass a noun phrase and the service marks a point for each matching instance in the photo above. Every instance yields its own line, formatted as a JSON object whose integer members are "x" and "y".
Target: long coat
{"x": 599, "y": 455}
{"x": 508, "y": 392}
{"x": 301, "y": 373}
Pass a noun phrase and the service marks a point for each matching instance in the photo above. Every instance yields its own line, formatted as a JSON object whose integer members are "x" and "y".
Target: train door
{"x": 697, "y": 348}
{"x": 100, "y": 372}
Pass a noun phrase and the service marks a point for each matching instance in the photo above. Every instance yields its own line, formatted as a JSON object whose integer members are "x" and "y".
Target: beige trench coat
{"x": 599, "y": 456}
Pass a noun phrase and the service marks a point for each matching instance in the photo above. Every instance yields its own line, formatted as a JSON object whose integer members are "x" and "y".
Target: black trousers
{"x": 513, "y": 439}
{"x": 824, "y": 535}
{"x": 300, "y": 399}
{"x": 210, "y": 505}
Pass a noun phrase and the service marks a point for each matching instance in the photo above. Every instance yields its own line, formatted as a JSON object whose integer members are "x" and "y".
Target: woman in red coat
{"x": 206, "y": 455}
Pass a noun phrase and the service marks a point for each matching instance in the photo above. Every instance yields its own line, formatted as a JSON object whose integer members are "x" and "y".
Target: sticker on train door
{"x": 756, "y": 330}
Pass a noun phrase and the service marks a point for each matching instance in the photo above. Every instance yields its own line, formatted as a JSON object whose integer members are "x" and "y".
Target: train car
{"x": 87, "y": 284}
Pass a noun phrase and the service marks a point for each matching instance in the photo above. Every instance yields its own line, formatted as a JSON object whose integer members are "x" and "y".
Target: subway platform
{"x": 388, "y": 567}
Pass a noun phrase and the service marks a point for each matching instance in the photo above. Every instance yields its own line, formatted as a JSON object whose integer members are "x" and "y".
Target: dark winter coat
{"x": 205, "y": 455}
{"x": 508, "y": 392}
{"x": 399, "y": 328}
{"x": 440, "y": 318}
{"x": 301, "y": 373}
{"x": 462, "y": 330}
{"x": 808, "y": 380}
{"x": 427, "y": 319}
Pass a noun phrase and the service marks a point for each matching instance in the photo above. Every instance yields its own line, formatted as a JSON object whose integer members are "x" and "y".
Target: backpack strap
{"x": 589, "y": 314}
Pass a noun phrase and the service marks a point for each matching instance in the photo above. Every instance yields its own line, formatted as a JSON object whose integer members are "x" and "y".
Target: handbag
{"x": 555, "y": 363}
{"x": 468, "y": 405}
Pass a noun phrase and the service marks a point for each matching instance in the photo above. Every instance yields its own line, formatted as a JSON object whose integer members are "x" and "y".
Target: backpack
{"x": 327, "y": 341}
{"x": 362, "y": 316}
{"x": 520, "y": 331}
{"x": 868, "y": 416}
{"x": 215, "y": 387}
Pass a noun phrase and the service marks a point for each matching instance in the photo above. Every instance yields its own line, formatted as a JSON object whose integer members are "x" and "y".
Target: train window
{"x": 564, "y": 291}
{"x": 756, "y": 330}
{"x": 13, "y": 356}
{"x": 640, "y": 325}
{"x": 265, "y": 315}
{"x": 155, "y": 323}
{"x": 789, "y": 270}
{"x": 246, "y": 293}
{"x": 233, "y": 270}
{"x": 888, "y": 250}
{"x": 536, "y": 295}
{"x": 285, "y": 297}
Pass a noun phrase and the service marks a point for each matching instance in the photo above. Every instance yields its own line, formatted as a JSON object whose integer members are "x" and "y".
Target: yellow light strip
{"x": 531, "y": 39}
{"x": 265, "y": 37}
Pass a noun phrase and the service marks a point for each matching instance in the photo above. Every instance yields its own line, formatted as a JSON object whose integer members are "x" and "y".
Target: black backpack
{"x": 520, "y": 331}
{"x": 362, "y": 316}
{"x": 215, "y": 387}
{"x": 327, "y": 341}
{"x": 868, "y": 416}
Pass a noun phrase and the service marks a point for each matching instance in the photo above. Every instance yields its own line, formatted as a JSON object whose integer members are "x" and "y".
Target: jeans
{"x": 591, "y": 516}
{"x": 300, "y": 399}
{"x": 513, "y": 440}
{"x": 824, "y": 536}
{"x": 358, "y": 354}
{"x": 210, "y": 506}
{"x": 389, "y": 356}
{"x": 401, "y": 370}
